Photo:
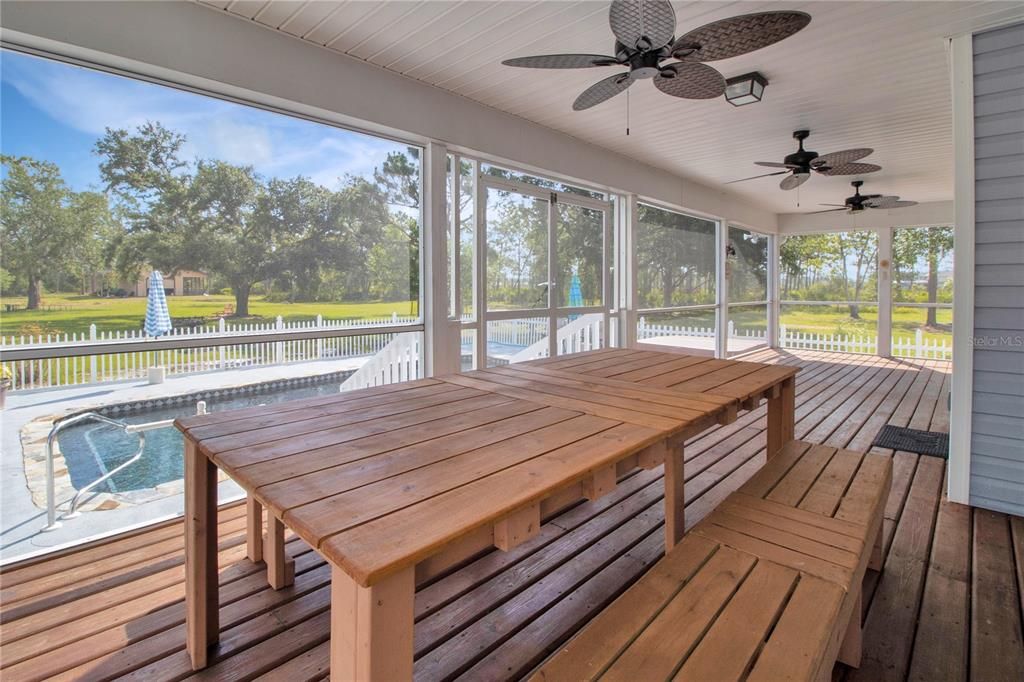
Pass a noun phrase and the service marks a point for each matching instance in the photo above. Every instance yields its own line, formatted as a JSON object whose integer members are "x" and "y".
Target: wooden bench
{"x": 766, "y": 587}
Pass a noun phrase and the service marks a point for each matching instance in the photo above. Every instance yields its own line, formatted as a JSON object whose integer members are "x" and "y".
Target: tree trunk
{"x": 242, "y": 299}
{"x": 667, "y": 289}
{"x": 35, "y": 292}
{"x": 933, "y": 286}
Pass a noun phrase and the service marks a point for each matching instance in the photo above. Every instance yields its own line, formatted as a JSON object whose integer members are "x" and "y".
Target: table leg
{"x": 201, "y": 581}
{"x": 782, "y": 417}
{"x": 253, "y": 529}
{"x": 675, "y": 515}
{"x": 280, "y": 568}
{"x": 372, "y": 627}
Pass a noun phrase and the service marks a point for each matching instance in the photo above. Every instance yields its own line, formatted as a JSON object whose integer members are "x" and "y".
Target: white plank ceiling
{"x": 862, "y": 74}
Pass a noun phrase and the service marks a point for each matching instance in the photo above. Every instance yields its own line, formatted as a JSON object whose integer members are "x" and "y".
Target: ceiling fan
{"x": 858, "y": 202}
{"x": 800, "y": 163}
{"x": 645, "y": 37}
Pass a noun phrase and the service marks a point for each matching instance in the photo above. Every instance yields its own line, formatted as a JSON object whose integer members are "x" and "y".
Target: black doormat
{"x": 911, "y": 440}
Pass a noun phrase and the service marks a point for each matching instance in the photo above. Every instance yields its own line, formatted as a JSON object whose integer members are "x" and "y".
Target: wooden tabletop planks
{"x": 380, "y": 479}
{"x": 688, "y": 373}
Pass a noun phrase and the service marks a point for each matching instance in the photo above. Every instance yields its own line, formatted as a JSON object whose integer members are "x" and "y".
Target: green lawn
{"x": 837, "y": 320}
{"x": 73, "y": 313}
{"x": 821, "y": 320}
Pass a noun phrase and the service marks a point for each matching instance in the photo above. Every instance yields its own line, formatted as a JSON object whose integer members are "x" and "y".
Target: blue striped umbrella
{"x": 575, "y": 293}
{"x": 158, "y": 320}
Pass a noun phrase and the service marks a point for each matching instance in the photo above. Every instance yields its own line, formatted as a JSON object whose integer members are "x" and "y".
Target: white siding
{"x": 997, "y": 440}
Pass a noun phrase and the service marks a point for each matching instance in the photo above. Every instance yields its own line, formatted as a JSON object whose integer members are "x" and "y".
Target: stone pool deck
{"x": 22, "y": 521}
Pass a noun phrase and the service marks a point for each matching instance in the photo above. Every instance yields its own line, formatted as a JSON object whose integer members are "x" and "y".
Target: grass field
{"x": 73, "y": 313}
{"x": 821, "y": 320}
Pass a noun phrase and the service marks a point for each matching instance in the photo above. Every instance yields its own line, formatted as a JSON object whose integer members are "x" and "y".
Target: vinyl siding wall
{"x": 997, "y": 441}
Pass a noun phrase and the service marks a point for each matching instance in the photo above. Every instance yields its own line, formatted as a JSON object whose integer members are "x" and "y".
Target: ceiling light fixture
{"x": 745, "y": 89}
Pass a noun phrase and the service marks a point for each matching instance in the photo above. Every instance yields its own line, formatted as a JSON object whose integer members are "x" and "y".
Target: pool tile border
{"x": 35, "y": 433}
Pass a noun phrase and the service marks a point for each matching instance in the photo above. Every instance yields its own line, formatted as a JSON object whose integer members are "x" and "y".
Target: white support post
{"x": 629, "y": 220}
{"x": 279, "y": 346}
{"x": 962, "y": 382}
{"x": 480, "y": 270}
{"x": 92, "y": 358}
{"x": 774, "y": 286}
{"x": 885, "y": 293}
{"x": 440, "y": 344}
{"x": 223, "y": 351}
{"x": 722, "y": 290}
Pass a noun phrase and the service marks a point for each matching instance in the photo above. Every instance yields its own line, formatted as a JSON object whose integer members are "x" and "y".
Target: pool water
{"x": 91, "y": 449}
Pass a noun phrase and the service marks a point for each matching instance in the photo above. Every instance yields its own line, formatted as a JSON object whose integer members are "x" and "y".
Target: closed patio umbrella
{"x": 158, "y": 320}
{"x": 575, "y": 293}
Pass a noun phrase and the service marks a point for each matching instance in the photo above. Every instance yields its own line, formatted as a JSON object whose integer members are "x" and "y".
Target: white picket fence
{"x": 645, "y": 330}
{"x": 902, "y": 347}
{"x": 400, "y": 360}
{"x": 920, "y": 347}
{"x": 392, "y": 356}
{"x": 840, "y": 343}
{"x": 55, "y": 372}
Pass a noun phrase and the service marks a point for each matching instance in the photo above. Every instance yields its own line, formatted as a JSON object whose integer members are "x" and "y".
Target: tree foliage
{"x": 46, "y": 227}
{"x": 293, "y": 236}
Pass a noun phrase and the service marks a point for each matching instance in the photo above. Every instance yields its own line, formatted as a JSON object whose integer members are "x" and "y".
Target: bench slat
{"x": 797, "y": 647}
{"x": 729, "y": 648}
{"x": 765, "y": 587}
{"x": 680, "y": 626}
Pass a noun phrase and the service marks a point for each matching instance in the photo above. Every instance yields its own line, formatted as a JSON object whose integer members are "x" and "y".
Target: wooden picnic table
{"x": 394, "y": 484}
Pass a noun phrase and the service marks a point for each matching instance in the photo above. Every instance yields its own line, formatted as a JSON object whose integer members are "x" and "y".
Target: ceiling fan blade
{"x": 840, "y": 205}
{"x": 602, "y": 90}
{"x": 755, "y": 177}
{"x": 738, "y": 35}
{"x": 850, "y": 169}
{"x": 794, "y": 180}
{"x": 772, "y": 164}
{"x": 562, "y": 61}
{"x": 642, "y": 24}
{"x": 827, "y": 210}
{"x": 691, "y": 81}
{"x": 879, "y": 201}
{"x": 841, "y": 158}
{"x": 888, "y": 202}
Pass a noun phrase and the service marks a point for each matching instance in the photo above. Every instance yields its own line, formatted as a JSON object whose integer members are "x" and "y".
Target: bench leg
{"x": 253, "y": 529}
{"x": 202, "y": 603}
{"x": 850, "y": 649}
{"x": 675, "y": 514}
{"x": 781, "y": 417}
{"x": 372, "y": 627}
{"x": 875, "y": 561}
{"x": 280, "y": 568}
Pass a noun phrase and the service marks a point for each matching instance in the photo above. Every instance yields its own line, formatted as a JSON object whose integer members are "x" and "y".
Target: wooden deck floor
{"x": 948, "y": 605}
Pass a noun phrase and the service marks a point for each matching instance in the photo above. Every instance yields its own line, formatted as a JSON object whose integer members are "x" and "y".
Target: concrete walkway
{"x": 21, "y": 521}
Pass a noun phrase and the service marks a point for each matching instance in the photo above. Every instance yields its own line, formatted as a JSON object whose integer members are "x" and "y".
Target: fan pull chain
{"x": 627, "y": 113}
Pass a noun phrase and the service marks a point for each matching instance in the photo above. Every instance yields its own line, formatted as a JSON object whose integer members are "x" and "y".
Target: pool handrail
{"x": 138, "y": 429}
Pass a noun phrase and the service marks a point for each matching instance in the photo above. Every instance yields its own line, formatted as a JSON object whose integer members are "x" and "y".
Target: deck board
{"x": 499, "y": 615}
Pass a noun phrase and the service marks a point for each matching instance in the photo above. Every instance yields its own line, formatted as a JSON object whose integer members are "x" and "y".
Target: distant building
{"x": 179, "y": 283}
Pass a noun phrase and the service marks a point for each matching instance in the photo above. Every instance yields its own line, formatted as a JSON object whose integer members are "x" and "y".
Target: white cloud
{"x": 276, "y": 145}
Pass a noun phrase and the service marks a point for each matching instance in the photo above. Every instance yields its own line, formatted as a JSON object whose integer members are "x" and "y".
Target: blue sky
{"x": 56, "y": 112}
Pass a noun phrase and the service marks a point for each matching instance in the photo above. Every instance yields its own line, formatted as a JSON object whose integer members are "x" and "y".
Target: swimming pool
{"x": 91, "y": 449}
